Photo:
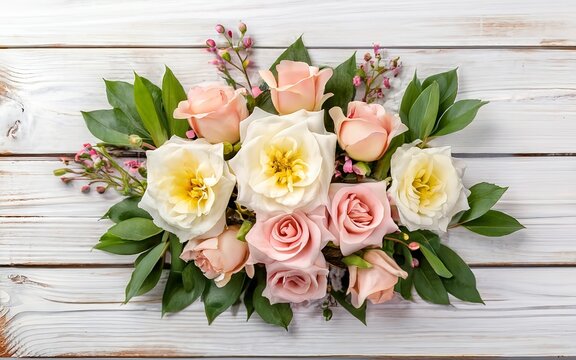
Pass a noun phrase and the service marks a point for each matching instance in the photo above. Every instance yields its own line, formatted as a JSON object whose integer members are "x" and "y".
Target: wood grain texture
{"x": 45, "y": 222}
{"x": 324, "y": 22}
{"x": 78, "y": 312}
{"x": 46, "y": 89}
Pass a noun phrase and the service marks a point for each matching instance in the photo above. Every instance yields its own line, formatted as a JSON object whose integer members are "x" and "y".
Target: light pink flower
{"x": 360, "y": 215}
{"x": 376, "y": 283}
{"x": 214, "y": 112}
{"x": 299, "y": 86}
{"x": 366, "y": 132}
{"x": 285, "y": 284}
{"x": 295, "y": 238}
{"x": 219, "y": 257}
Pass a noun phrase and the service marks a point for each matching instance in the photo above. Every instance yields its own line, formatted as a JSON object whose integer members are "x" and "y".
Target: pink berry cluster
{"x": 375, "y": 73}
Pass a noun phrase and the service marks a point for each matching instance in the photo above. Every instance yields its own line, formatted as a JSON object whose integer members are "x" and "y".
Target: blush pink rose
{"x": 376, "y": 283}
{"x": 360, "y": 215}
{"x": 285, "y": 284}
{"x": 295, "y": 238}
{"x": 219, "y": 257}
{"x": 214, "y": 112}
{"x": 299, "y": 86}
{"x": 366, "y": 132}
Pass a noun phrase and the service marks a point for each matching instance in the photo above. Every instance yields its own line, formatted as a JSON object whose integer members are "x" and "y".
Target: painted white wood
{"x": 532, "y": 92}
{"x": 44, "y": 222}
{"x": 79, "y": 312}
{"x": 324, "y": 22}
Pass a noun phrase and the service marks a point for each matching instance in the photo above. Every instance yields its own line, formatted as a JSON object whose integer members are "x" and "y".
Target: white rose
{"x": 427, "y": 187}
{"x": 285, "y": 163}
{"x": 189, "y": 186}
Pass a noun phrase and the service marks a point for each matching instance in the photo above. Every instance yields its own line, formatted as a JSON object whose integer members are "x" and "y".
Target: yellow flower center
{"x": 284, "y": 163}
{"x": 428, "y": 187}
{"x": 190, "y": 193}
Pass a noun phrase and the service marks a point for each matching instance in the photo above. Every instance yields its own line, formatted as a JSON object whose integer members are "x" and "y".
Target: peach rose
{"x": 285, "y": 284}
{"x": 214, "y": 112}
{"x": 360, "y": 215}
{"x": 376, "y": 283}
{"x": 219, "y": 257}
{"x": 299, "y": 86}
{"x": 295, "y": 238}
{"x": 366, "y": 132}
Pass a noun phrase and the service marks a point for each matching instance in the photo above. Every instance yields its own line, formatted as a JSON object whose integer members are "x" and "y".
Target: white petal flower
{"x": 427, "y": 187}
{"x": 285, "y": 163}
{"x": 189, "y": 186}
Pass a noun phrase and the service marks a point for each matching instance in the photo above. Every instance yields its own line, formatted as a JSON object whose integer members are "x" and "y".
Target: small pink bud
{"x": 357, "y": 80}
{"x": 415, "y": 263}
{"x": 87, "y": 145}
{"x": 230, "y": 33}
{"x": 220, "y": 29}
{"x": 337, "y": 173}
{"x": 367, "y": 57}
{"x": 210, "y": 43}
{"x": 386, "y": 82}
{"x": 348, "y": 168}
{"x": 413, "y": 246}
{"x": 190, "y": 134}
{"x": 256, "y": 91}
{"x": 85, "y": 189}
{"x": 65, "y": 180}
{"x": 376, "y": 48}
{"x": 242, "y": 27}
{"x": 100, "y": 189}
{"x": 248, "y": 42}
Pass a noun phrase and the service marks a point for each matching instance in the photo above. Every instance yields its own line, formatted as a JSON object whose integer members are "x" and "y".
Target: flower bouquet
{"x": 301, "y": 188}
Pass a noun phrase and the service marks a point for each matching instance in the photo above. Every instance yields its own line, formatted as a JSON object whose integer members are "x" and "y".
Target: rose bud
{"x": 376, "y": 283}
{"x": 298, "y": 87}
{"x": 214, "y": 112}
{"x": 220, "y": 29}
{"x": 210, "y": 43}
{"x": 366, "y": 132}
{"x": 219, "y": 257}
{"x": 242, "y": 27}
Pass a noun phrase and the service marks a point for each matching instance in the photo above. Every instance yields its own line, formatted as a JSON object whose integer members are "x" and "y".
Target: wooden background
{"x": 59, "y": 298}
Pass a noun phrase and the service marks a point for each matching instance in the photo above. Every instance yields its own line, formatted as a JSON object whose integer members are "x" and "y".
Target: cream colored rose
{"x": 285, "y": 163}
{"x": 189, "y": 186}
{"x": 427, "y": 187}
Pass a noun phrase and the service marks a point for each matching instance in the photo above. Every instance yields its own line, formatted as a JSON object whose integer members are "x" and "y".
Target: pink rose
{"x": 376, "y": 283}
{"x": 214, "y": 112}
{"x": 360, "y": 215}
{"x": 366, "y": 132}
{"x": 219, "y": 257}
{"x": 299, "y": 86}
{"x": 294, "y": 238}
{"x": 286, "y": 284}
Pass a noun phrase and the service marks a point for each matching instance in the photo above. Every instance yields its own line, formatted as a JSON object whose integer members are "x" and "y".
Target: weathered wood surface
{"x": 532, "y": 92}
{"x": 325, "y": 23}
{"x": 58, "y": 298}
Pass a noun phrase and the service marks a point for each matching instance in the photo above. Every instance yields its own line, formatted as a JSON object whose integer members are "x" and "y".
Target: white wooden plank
{"x": 324, "y": 22}
{"x": 78, "y": 312}
{"x": 44, "y": 91}
{"x": 44, "y": 222}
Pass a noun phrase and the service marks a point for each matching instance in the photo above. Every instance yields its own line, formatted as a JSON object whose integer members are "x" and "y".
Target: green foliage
{"x": 458, "y": 116}
{"x": 276, "y": 314}
{"x": 217, "y": 300}
{"x": 342, "y": 299}
{"x": 383, "y": 165}
{"x": 463, "y": 284}
{"x": 429, "y": 285}
{"x": 152, "y": 279}
{"x": 448, "y": 86}
{"x": 115, "y": 245}
{"x": 172, "y": 94}
{"x": 411, "y": 93}
{"x": 422, "y": 115}
{"x": 355, "y": 260}
{"x": 404, "y": 286}
{"x": 494, "y": 223}
{"x": 135, "y": 229}
{"x": 126, "y": 209}
{"x": 148, "y": 103}
{"x": 481, "y": 199}
{"x": 121, "y": 96}
{"x": 110, "y": 126}
{"x": 264, "y": 102}
{"x": 143, "y": 269}
{"x": 295, "y": 52}
{"x": 340, "y": 84}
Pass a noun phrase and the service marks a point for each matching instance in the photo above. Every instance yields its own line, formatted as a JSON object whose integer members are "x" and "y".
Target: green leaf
{"x": 428, "y": 284}
{"x": 383, "y": 165}
{"x": 244, "y": 230}
{"x": 249, "y": 297}
{"x": 435, "y": 262}
{"x": 175, "y": 297}
{"x": 146, "y": 104}
{"x": 121, "y": 96}
{"x": 340, "y": 84}
{"x": 494, "y": 223}
{"x": 358, "y": 313}
{"x": 422, "y": 116}
{"x": 264, "y": 102}
{"x": 458, "y": 116}
{"x": 135, "y": 229}
{"x": 448, "y": 86}
{"x": 172, "y": 94}
{"x": 152, "y": 278}
{"x": 192, "y": 277}
{"x": 143, "y": 269}
{"x": 295, "y": 52}
{"x": 424, "y": 237}
{"x": 463, "y": 284}
{"x": 110, "y": 126}
{"x": 404, "y": 286}
{"x": 411, "y": 93}
{"x": 126, "y": 209}
{"x": 176, "y": 264}
{"x": 481, "y": 199}
{"x": 115, "y": 245}
{"x": 355, "y": 260}
{"x": 277, "y": 314}
{"x": 217, "y": 300}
